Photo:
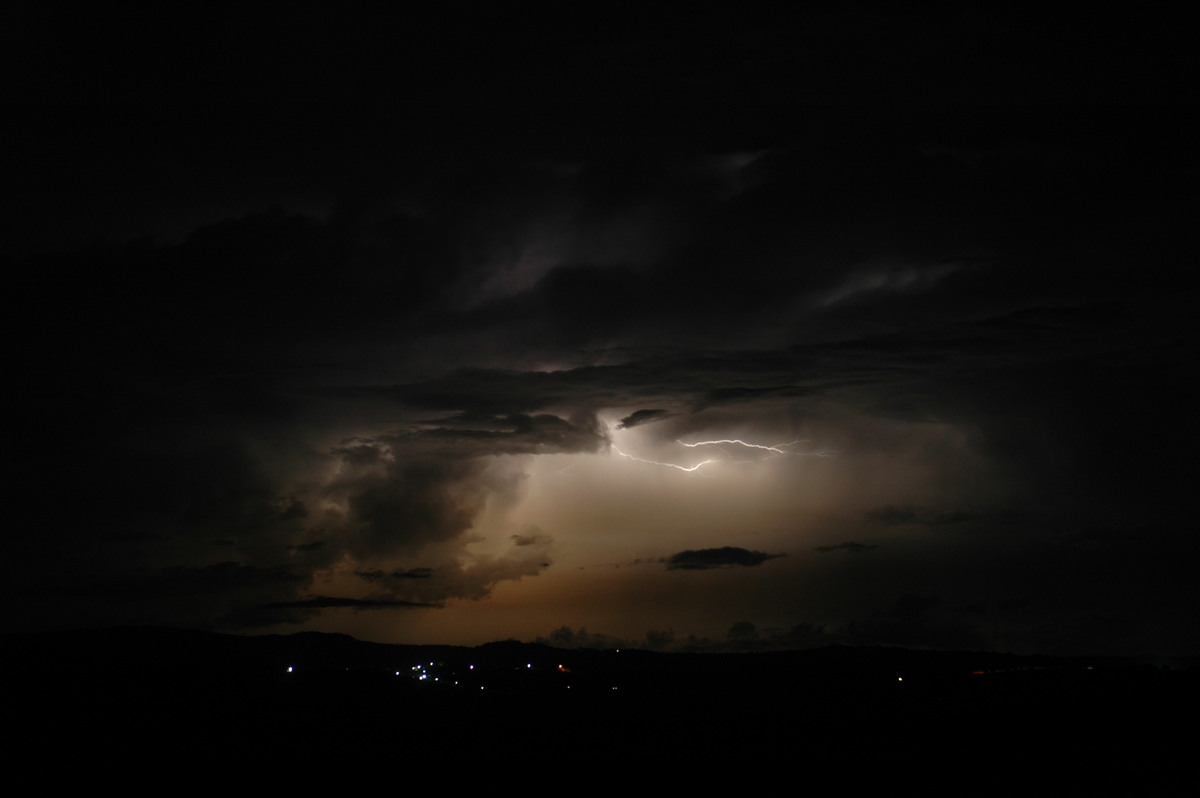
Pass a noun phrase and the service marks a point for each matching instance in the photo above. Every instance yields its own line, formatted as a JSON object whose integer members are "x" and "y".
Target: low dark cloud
{"x": 639, "y": 417}
{"x": 908, "y": 514}
{"x": 414, "y": 573}
{"x": 850, "y": 546}
{"x": 531, "y": 538}
{"x": 703, "y": 559}
{"x": 325, "y": 602}
{"x": 313, "y": 546}
{"x": 370, "y": 576}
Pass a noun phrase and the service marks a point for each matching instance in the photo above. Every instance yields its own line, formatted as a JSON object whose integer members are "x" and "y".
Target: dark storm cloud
{"x": 703, "y": 559}
{"x": 411, "y": 503}
{"x": 730, "y": 395}
{"x": 412, "y": 573}
{"x": 166, "y": 368}
{"x": 639, "y": 417}
{"x": 400, "y": 272}
{"x": 471, "y": 578}
{"x": 520, "y": 433}
{"x": 324, "y": 602}
{"x": 302, "y": 547}
{"x": 359, "y": 454}
{"x": 850, "y": 545}
{"x": 405, "y": 491}
{"x": 295, "y": 510}
{"x": 908, "y": 514}
{"x": 858, "y": 306}
{"x": 370, "y": 576}
{"x": 329, "y": 327}
{"x": 688, "y": 380}
{"x": 420, "y": 587}
{"x": 923, "y": 359}
{"x": 528, "y": 540}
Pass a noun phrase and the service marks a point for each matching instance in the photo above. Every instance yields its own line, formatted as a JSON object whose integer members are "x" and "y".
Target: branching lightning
{"x": 778, "y": 449}
{"x": 696, "y": 467}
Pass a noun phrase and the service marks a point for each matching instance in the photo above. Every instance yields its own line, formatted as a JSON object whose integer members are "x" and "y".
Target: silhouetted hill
{"x": 196, "y": 695}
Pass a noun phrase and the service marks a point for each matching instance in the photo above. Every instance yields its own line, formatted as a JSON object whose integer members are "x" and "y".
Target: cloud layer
{"x": 421, "y": 356}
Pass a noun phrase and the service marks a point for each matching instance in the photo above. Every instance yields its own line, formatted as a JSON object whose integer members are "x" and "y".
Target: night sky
{"x": 724, "y": 327}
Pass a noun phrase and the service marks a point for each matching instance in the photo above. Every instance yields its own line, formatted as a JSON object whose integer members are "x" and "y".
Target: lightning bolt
{"x": 667, "y": 465}
{"x": 777, "y": 449}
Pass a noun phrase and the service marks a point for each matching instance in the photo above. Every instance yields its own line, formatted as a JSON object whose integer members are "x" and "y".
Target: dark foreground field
{"x": 309, "y": 697}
